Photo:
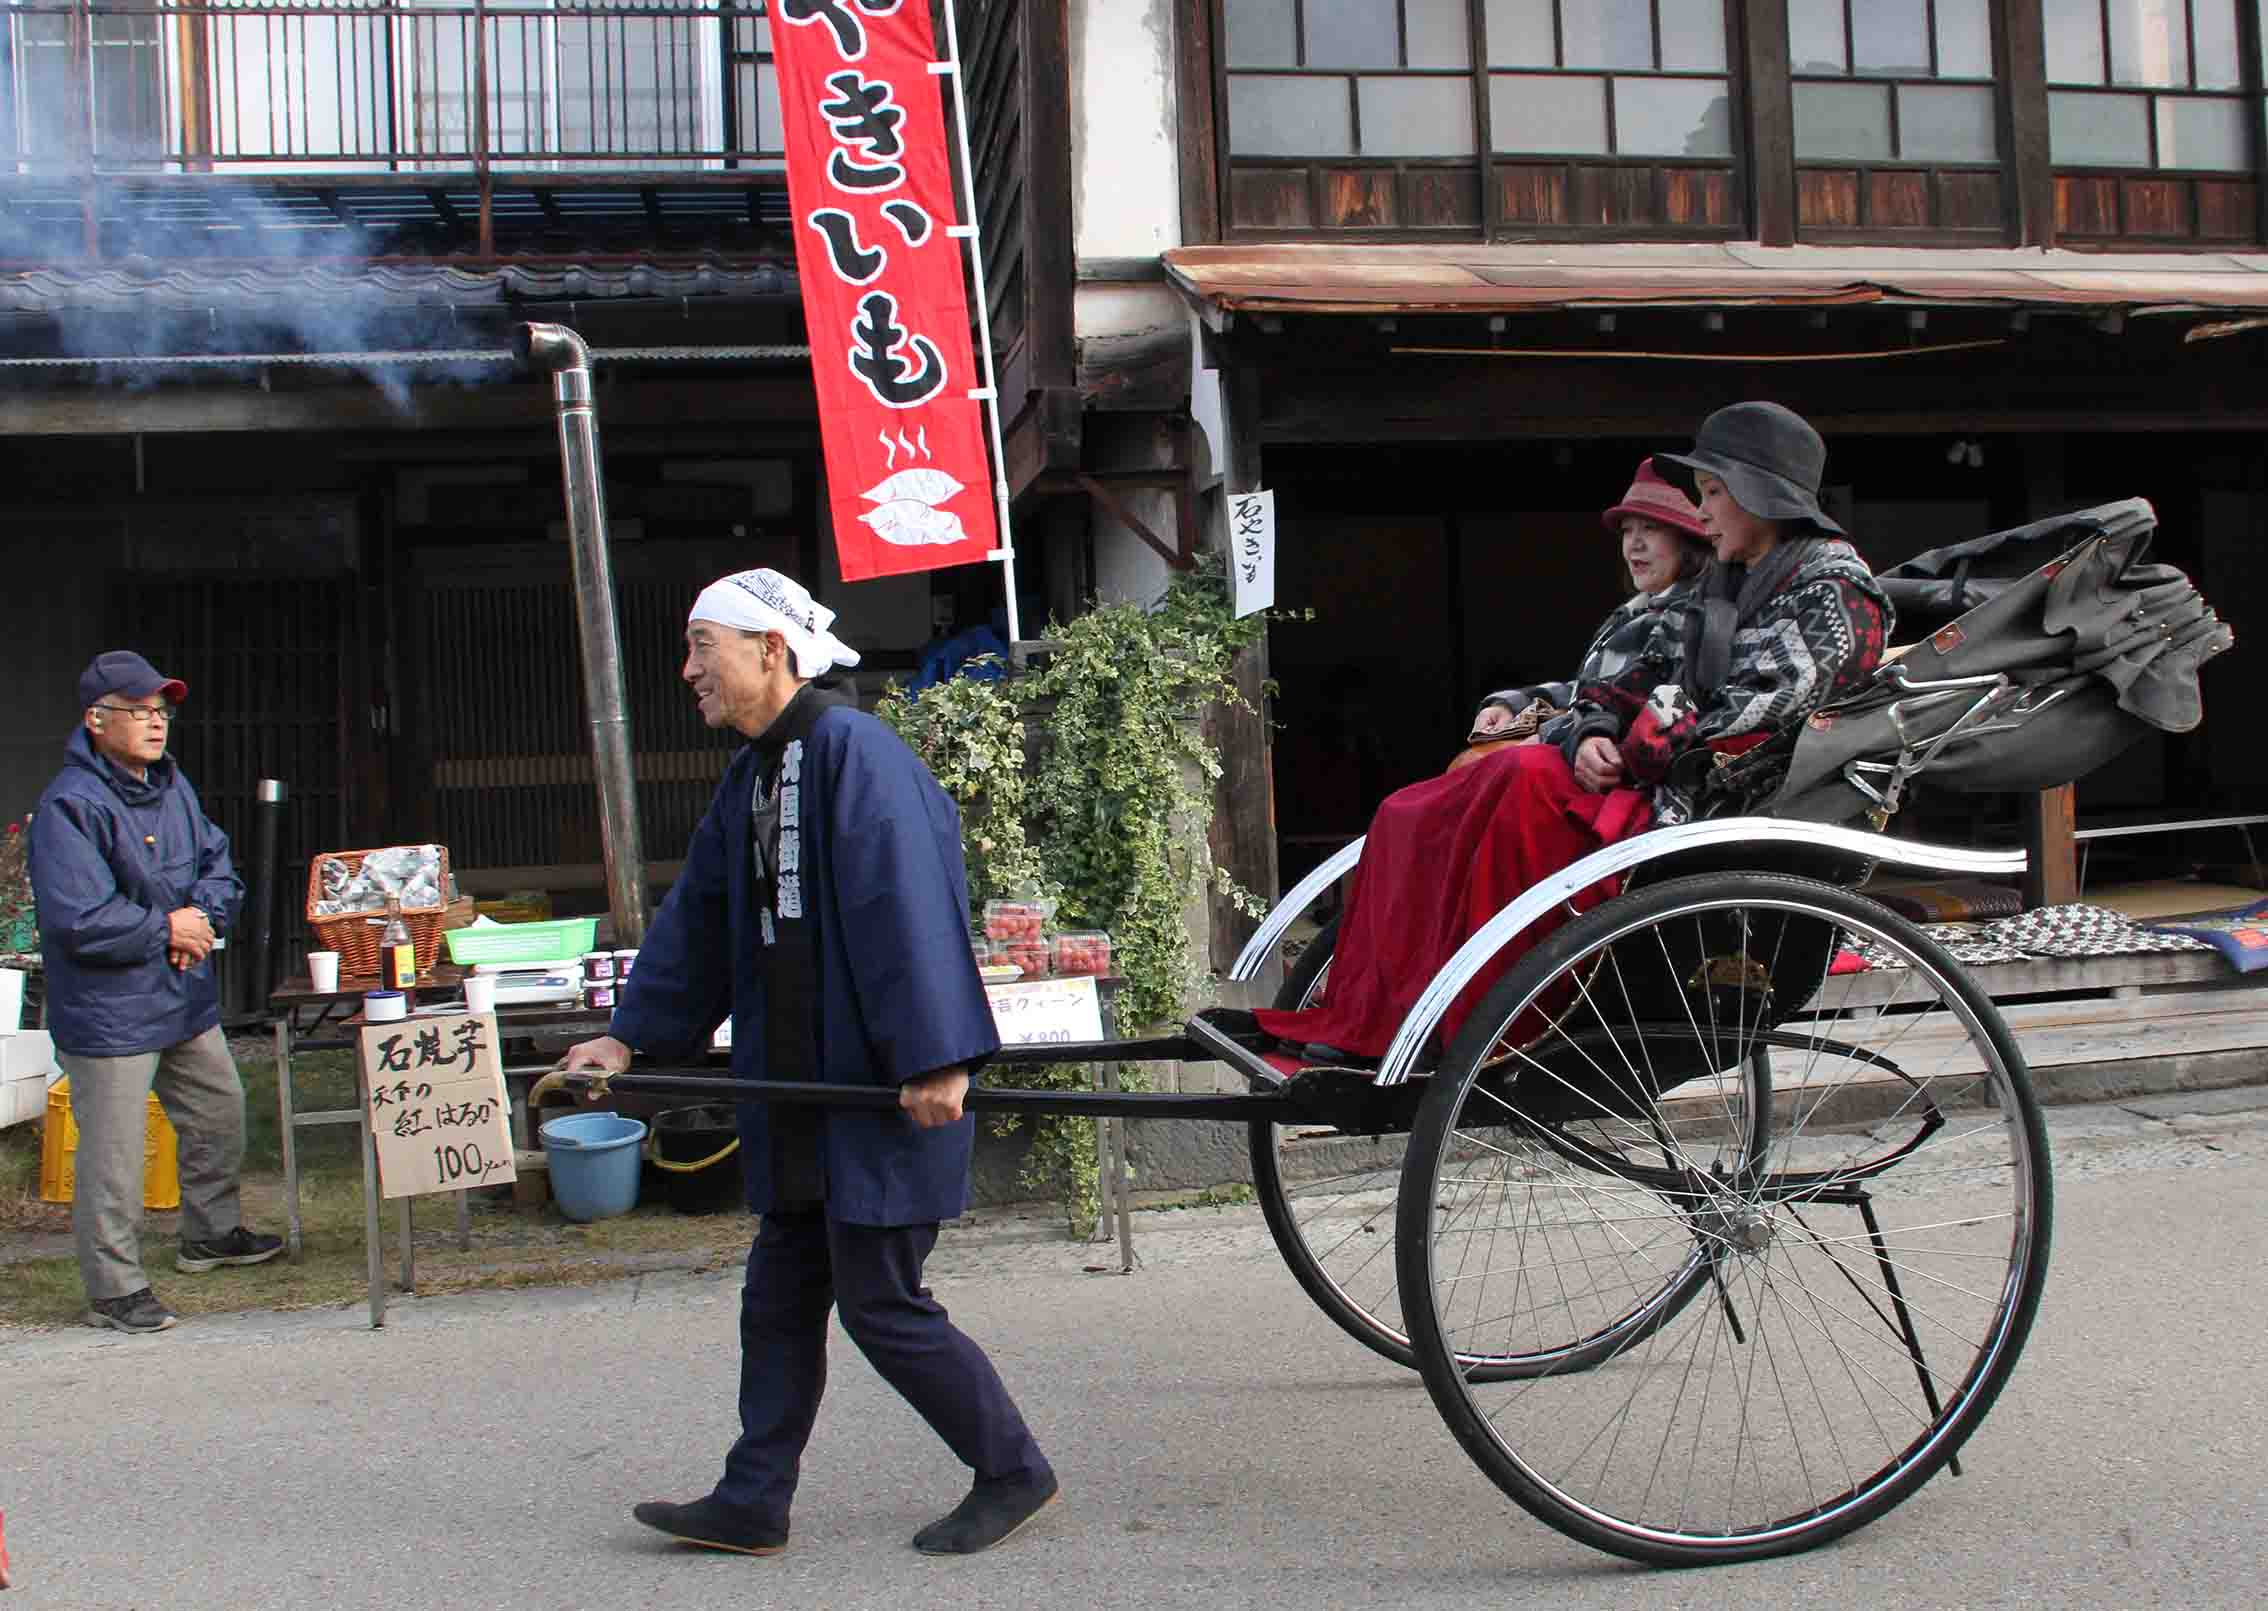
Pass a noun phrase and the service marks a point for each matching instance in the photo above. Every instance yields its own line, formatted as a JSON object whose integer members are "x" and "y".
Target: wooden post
{"x": 2051, "y": 876}
{"x": 1244, "y": 800}
{"x": 2029, "y": 171}
{"x": 1768, "y": 104}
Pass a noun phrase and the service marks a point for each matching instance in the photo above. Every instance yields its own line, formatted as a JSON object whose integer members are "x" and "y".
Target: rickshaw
{"x": 1717, "y": 1226}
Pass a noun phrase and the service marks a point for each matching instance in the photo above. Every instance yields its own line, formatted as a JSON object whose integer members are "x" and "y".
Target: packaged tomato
{"x": 1017, "y": 920}
{"x": 1082, "y": 951}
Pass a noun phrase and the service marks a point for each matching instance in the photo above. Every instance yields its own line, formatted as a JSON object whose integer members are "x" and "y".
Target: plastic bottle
{"x": 397, "y": 954}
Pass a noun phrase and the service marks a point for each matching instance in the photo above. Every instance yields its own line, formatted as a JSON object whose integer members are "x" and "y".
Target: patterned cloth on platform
{"x": 2077, "y": 930}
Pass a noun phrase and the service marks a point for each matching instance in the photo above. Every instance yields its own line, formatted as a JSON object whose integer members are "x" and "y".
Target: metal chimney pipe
{"x": 268, "y": 796}
{"x": 558, "y": 350}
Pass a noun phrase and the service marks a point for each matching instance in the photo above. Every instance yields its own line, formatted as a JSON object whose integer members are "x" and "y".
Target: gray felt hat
{"x": 1769, "y": 459}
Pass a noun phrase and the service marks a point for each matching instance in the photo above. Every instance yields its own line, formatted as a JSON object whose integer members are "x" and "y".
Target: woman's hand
{"x": 1493, "y": 718}
{"x": 1598, "y": 764}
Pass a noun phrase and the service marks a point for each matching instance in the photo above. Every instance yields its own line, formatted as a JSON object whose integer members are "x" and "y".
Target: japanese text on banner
{"x": 884, "y": 298}
{"x": 433, "y": 1092}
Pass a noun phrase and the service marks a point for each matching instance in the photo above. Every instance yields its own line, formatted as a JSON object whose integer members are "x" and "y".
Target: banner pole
{"x": 972, "y": 232}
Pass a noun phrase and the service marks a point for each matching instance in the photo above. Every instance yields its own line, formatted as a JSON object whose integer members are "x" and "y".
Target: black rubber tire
{"x": 1381, "y": 1333}
{"x": 1517, "y": 1435}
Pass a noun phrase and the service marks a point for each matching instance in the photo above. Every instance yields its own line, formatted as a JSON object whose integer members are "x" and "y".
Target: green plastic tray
{"x": 560, "y": 940}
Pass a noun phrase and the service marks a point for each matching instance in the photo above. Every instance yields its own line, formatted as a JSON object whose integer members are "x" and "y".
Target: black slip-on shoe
{"x": 135, "y": 1312}
{"x": 710, "y": 1525}
{"x": 239, "y": 1246}
{"x": 991, "y": 1513}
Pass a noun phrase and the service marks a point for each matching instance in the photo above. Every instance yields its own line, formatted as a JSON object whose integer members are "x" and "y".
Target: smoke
{"x": 240, "y": 276}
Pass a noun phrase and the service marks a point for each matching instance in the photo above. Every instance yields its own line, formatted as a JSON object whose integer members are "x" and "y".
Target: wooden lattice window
{"x": 1897, "y": 116}
{"x": 1413, "y": 116}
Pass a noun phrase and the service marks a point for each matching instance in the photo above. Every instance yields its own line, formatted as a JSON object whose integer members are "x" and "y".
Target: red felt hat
{"x": 1652, "y": 498}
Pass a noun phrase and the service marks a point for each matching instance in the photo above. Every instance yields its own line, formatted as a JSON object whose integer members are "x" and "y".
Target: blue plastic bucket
{"x": 594, "y": 1164}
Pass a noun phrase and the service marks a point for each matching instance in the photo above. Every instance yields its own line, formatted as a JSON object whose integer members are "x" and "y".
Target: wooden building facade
{"x": 1448, "y": 269}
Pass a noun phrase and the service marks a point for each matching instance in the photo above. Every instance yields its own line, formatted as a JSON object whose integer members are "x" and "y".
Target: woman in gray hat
{"x": 1788, "y": 618}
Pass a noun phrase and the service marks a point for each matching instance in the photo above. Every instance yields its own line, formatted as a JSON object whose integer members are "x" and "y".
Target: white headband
{"x": 763, "y": 600}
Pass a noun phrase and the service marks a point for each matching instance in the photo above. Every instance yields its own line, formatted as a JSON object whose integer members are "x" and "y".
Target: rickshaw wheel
{"x": 1329, "y": 1198}
{"x": 1855, "y": 1162}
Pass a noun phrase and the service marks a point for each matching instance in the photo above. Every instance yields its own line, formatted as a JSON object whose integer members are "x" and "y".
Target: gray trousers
{"x": 197, "y": 1085}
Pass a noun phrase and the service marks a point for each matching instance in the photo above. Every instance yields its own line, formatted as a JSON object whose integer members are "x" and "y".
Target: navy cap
{"x": 122, "y": 671}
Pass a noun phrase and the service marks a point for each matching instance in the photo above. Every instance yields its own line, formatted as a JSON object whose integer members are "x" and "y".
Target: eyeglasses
{"x": 145, "y": 714}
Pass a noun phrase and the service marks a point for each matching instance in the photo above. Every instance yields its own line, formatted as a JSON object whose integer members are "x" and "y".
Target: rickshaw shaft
{"x": 1230, "y": 1108}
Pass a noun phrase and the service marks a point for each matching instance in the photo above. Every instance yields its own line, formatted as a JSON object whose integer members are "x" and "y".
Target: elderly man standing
{"x": 824, "y": 908}
{"x": 134, "y": 884}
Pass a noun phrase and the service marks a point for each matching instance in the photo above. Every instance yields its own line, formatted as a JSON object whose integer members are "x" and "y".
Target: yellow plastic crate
{"x": 59, "y": 1146}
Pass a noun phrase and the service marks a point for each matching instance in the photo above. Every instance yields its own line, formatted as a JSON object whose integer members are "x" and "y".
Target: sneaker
{"x": 992, "y": 1511}
{"x": 137, "y": 1311}
{"x": 712, "y": 1525}
{"x": 239, "y": 1246}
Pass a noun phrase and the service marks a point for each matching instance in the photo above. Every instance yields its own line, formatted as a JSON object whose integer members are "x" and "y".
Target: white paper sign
{"x": 433, "y": 1091}
{"x": 1046, "y": 1011}
{"x": 1252, "y": 550}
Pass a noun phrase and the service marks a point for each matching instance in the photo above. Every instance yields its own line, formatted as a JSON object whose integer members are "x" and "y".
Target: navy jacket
{"x": 897, "y": 988}
{"x": 111, "y": 856}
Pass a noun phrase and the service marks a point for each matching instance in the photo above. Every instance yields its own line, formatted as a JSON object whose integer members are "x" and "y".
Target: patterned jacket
{"x": 1816, "y": 639}
{"x": 1629, "y": 630}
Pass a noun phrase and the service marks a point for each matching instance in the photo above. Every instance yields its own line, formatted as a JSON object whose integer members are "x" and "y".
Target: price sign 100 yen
{"x": 433, "y": 1091}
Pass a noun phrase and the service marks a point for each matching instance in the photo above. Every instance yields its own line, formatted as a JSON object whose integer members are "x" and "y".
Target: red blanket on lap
{"x": 1442, "y": 858}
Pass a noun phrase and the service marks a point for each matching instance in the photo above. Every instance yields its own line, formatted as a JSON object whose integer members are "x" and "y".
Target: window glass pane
{"x": 2212, "y": 28}
{"x": 1693, "y": 35}
{"x": 2098, "y": 131}
{"x": 1851, "y": 121}
{"x": 1964, "y": 39}
{"x": 2074, "y": 41}
{"x": 1351, "y": 33}
{"x": 1946, "y": 123}
{"x": 1606, "y": 33}
{"x": 1289, "y": 117}
{"x": 2198, "y": 133}
{"x": 2149, "y": 42}
{"x": 1261, "y": 33}
{"x": 1441, "y": 33}
{"x": 1531, "y": 114}
{"x": 1815, "y": 38}
{"x": 1890, "y": 36}
{"x": 1416, "y": 117}
{"x": 1672, "y": 117}
{"x": 1519, "y": 33}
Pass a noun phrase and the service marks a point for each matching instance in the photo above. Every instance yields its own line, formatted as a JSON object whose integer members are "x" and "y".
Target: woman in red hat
{"x": 1664, "y": 549}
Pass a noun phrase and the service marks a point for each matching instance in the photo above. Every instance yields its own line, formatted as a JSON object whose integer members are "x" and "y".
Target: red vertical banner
{"x": 884, "y": 298}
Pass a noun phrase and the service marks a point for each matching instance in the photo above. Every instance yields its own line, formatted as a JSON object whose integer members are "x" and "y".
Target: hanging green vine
{"x": 1109, "y": 819}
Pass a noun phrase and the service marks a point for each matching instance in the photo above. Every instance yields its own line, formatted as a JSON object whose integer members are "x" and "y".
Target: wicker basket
{"x": 355, "y": 937}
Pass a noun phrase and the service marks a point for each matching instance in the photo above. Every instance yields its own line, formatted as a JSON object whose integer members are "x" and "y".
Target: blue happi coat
{"x": 885, "y": 889}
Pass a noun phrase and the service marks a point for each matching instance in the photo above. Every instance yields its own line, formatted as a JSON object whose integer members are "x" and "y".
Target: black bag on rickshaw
{"x": 2045, "y": 650}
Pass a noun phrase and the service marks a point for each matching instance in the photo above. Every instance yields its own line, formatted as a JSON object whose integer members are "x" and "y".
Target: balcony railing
{"x": 95, "y": 88}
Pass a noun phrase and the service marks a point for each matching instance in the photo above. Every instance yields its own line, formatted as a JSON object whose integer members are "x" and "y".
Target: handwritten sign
{"x": 1046, "y": 1011}
{"x": 1252, "y": 550}
{"x": 433, "y": 1093}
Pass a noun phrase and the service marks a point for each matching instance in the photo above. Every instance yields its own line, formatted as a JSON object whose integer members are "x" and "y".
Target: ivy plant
{"x": 1088, "y": 782}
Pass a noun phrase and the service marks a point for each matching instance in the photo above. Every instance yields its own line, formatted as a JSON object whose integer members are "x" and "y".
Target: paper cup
{"x": 323, "y": 971}
{"x": 480, "y": 993}
{"x": 384, "y": 1007}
